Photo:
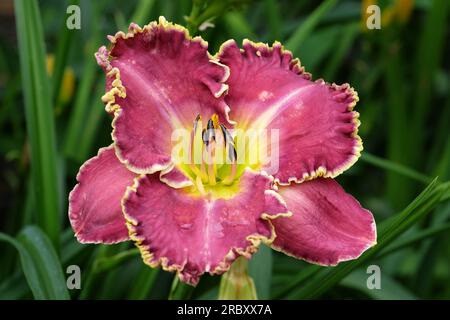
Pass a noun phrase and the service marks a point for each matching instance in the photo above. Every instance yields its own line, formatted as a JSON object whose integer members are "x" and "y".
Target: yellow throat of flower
{"x": 211, "y": 159}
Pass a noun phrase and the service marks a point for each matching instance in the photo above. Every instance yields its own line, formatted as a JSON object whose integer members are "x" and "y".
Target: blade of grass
{"x": 39, "y": 117}
{"x": 46, "y": 260}
{"x": 238, "y": 26}
{"x": 272, "y": 10}
{"x": 142, "y": 11}
{"x": 429, "y": 56}
{"x": 30, "y": 272}
{"x": 62, "y": 52}
{"x": 94, "y": 119}
{"x": 304, "y": 30}
{"x": 90, "y": 279}
{"x": 394, "y": 167}
{"x": 399, "y": 189}
{"x": 77, "y": 121}
{"x": 349, "y": 34}
{"x": 70, "y": 246}
{"x": 439, "y": 155}
{"x": 418, "y": 237}
{"x": 180, "y": 290}
{"x": 388, "y": 231}
{"x": 390, "y": 289}
{"x": 443, "y": 165}
{"x": 425, "y": 270}
{"x": 14, "y": 288}
{"x": 260, "y": 270}
{"x": 318, "y": 47}
{"x": 144, "y": 283}
{"x": 103, "y": 264}
{"x": 297, "y": 280}
{"x": 40, "y": 264}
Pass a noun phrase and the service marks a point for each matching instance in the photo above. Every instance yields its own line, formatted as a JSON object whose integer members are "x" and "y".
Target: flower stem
{"x": 236, "y": 284}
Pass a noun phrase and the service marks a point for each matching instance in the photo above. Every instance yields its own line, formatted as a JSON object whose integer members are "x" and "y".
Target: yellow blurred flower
{"x": 404, "y": 9}
{"x": 398, "y": 11}
{"x": 68, "y": 80}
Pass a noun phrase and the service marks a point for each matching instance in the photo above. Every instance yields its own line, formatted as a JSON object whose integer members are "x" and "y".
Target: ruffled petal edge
{"x": 230, "y": 257}
{"x": 288, "y": 62}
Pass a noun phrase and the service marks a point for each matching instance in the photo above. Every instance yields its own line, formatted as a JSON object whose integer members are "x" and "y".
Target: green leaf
{"x": 142, "y": 11}
{"x": 297, "y": 280}
{"x": 65, "y": 39}
{"x": 70, "y": 246}
{"x": 305, "y": 29}
{"x": 318, "y": 47}
{"x": 180, "y": 290}
{"x": 347, "y": 37}
{"x": 390, "y": 289}
{"x": 83, "y": 112}
{"x": 429, "y": 54}
{"x": 144, "y": 283}
{"x": 94, "y": 119}
{"x": 103, "y": 264}
{"x": 260, "y": 269}
{"x": 238, "y": 26}
{"x": 39, "y": 117}
{"x": 14, "y": 287}
{"x": 40, "y": 264}
{"x": 272, "y": 10}
{"x": 415, "y": 238}
{"x": 395, "y": 167}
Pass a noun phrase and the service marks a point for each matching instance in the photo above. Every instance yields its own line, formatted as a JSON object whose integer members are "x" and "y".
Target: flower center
{"x": 212, "y": 157}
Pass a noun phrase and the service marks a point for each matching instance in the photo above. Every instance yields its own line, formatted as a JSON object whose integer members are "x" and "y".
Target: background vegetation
{"x": 52, "y": 120}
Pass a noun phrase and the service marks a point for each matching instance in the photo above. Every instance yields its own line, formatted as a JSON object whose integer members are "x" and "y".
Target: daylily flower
{"x": 196, "y": 217}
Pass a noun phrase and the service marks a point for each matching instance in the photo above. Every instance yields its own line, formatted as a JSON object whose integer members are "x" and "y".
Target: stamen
{"x": 229, "y": 180}
{"x": 192, "y": 165}
{"x": 203, "y": 173}
{"x": 196, "y": 121}
{"x": 212, "y": 146}
{"x": 209, "y": 138}
{"x": 226, "y": 135}
{"x": 205, "y": 138}
{"x": 211, "y": 163}
{"x": 210, "y": 132}
{"x": 215, "y": 120}
{"x": 200, "y": 187}
{"x": 231, "y": 153}
{"x": 232, "y": 156}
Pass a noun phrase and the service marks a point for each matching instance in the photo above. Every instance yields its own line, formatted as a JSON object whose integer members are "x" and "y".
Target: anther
{"x": 226, "y": 135}
{"x": 231, "y": 153}
{"x": 197, "y": 119}
{"x": 229, "y": 143}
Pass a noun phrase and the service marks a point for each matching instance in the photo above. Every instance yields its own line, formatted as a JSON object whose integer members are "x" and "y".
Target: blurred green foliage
{"x": 51, "y": 123}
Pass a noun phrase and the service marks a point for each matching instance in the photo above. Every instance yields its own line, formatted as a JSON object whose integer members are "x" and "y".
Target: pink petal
{"x": 327, "y": 226}
{"x": 95, "y": 211}
{"x": 175, "y": 178}
{"x": 160, "y": 79}
{"x": 191, "y": 234}
{"x": 317, "y": 127}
